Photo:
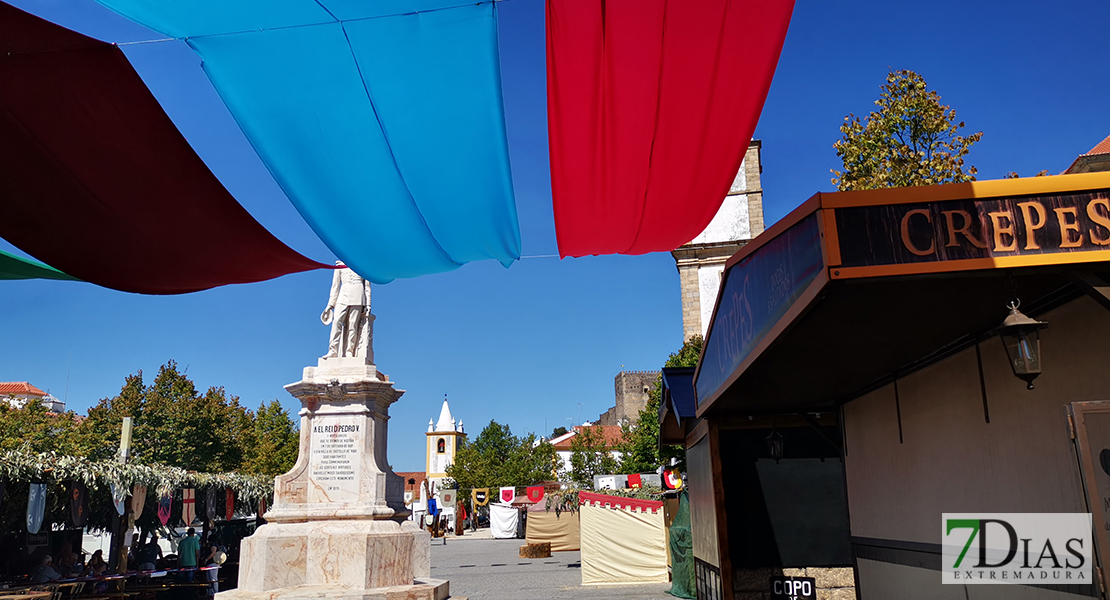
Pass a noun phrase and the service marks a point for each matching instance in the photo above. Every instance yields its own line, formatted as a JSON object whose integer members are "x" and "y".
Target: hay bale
{"x": 541, "y": 550}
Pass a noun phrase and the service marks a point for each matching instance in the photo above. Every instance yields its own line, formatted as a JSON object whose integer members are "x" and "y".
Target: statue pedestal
{"x": 337, "y": 528}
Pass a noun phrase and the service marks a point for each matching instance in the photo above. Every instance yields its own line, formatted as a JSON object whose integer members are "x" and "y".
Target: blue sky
{"x": 538, "y": 344}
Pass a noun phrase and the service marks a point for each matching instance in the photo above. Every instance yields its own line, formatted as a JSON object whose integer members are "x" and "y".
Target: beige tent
{"x": 623, "y": 540}
{"x": 561, "y": 530}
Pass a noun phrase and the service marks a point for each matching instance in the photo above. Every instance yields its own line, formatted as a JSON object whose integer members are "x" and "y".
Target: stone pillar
{"x": 337, "y": 527}
{"x": 701, "y": 262}
{"x": 699, "y": 268}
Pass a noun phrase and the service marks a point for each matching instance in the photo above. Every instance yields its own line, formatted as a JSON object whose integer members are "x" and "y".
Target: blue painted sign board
{"x": 757, "y": 293}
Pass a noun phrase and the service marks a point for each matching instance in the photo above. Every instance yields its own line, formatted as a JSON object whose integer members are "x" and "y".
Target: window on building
{"x": 441, "y": 446}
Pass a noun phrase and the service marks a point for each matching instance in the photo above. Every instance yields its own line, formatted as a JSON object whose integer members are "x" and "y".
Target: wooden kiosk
{"x": 853, "y": 389}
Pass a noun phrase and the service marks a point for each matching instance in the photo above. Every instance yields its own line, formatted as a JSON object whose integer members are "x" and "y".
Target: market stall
{"x": 622, "y": 539}
{"x": 559, "y": 528}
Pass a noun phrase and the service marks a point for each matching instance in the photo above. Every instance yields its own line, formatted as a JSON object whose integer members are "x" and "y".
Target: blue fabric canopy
{"x": 383, "y": 121}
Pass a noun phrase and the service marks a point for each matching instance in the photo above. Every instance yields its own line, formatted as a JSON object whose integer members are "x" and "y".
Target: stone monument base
{"x": 422, "y": 589}
{"x": 341, "y": 559}
{"x": 359, "y": 555}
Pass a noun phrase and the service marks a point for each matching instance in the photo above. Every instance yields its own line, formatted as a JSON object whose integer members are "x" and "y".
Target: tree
{"x": 177, "y": 426}
{"x": 559, "y": 431}
{"x": 174, "y": 425}
{"x": 590, "y": 455}
{"x": 642, "y": 453}
{"x": 498, "y": 458}
{"x": 177, "y": 432}
{"x": 274, "y": 442}
{"x": 33, "y": 428}
{"x": 531, "y": 461}
{"x": 98, "y": 434}
{"x": 910, "y": 140}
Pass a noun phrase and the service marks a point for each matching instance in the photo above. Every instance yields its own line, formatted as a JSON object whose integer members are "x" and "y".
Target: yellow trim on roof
{"x": 994, "y": 188}
{"x": 971, "y": 264}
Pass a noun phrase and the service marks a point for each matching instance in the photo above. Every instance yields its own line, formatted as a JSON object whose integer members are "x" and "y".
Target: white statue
{"x": 348, "y": 312}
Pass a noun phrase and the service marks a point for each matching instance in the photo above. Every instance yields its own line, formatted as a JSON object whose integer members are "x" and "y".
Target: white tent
{"x": 503, "y": 521}
{"x": 622, "y": 540}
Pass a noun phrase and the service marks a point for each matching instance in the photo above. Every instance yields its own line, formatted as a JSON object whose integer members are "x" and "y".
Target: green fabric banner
{"x": 14, "y": 267}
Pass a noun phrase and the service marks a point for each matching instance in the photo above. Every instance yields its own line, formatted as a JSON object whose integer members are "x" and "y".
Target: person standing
{"x": 133, "y": 552}
{"x": 188, "y": 552}
{"x": 460, "y": 518}
{"x": 149, "y": 554}
{"x": 214, "y": 556}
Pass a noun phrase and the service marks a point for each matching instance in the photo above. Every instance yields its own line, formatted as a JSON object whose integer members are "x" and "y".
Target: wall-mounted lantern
{"x": 774, "y": 444}
{"x": 1021, "y": 337}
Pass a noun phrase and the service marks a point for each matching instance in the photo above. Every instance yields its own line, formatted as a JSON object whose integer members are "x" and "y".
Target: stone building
{"x": 702, "y": 261}
{"x": 631, "y": 391}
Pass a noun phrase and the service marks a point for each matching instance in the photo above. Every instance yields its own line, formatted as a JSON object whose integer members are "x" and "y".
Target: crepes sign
{"x": 1032, "y": 227}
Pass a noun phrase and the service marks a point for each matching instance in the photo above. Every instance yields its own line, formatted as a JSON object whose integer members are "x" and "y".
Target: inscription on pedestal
{"x": 335, "y": 461}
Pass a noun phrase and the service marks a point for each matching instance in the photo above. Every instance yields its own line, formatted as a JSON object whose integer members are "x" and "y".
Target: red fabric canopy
{"x": 651, "y": 105}
{"x": 95, "y": 180}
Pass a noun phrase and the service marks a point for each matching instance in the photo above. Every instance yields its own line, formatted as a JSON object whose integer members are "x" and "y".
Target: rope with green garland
{"x": 20, "y": 465}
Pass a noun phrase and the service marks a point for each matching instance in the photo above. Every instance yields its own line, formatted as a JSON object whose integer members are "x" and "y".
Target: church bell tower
{"x": 444, "y": 438}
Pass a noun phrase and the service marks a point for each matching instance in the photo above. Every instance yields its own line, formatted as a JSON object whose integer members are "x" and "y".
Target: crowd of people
{"x": 193, "y": 551}
{"x": 69, "y": 567}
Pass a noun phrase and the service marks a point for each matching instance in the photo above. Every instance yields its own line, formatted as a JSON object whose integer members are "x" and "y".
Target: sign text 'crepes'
{"x": 973, "y": 229}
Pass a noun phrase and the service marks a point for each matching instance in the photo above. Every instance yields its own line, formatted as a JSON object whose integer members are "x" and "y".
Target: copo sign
{"x": 794, "y": 588}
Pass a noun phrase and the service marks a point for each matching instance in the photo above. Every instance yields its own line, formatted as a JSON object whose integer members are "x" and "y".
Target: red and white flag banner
{"x": 165, "y": 504}
{"x": 188, "y": 505}
{"x": 508, "y": 494}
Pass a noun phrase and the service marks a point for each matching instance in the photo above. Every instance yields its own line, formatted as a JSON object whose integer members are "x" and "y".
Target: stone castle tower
{"x": 701, "y": 262}
{"x": 631, "y": 391}
{"x": 444, "y": 438}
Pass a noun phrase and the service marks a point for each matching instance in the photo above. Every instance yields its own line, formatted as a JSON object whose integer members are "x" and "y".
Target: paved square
{"x": 486, "y": 569}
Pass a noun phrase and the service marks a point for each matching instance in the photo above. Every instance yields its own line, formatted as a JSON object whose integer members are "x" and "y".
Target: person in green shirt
{"x": 188, "y": 551}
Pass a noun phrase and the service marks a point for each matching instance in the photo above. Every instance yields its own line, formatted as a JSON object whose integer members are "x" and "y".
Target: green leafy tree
{"x": 174, "y": 424}
{"x": 591, "y": 454}
{"x": 498, "y": 458}
{"x": 532, "y": 461}
{"x": 274, "y": 441}
{"x": 559, "y": 431}
{"x": 642, "y": 453}
{"x": 98, "y": 435}
{"x": 180, "y": 427}
{"x": 911, "y": 139}
{"x": 32, "y": 427}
